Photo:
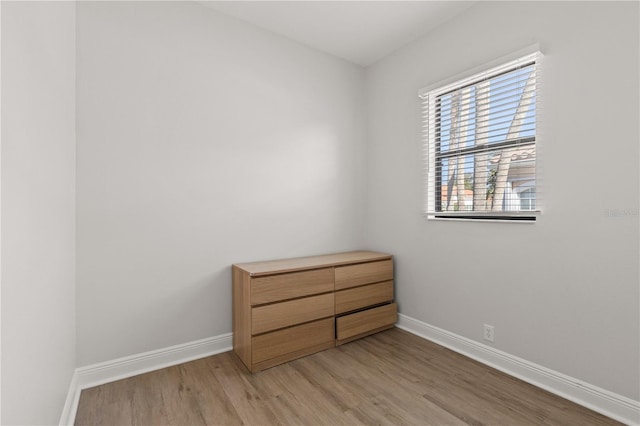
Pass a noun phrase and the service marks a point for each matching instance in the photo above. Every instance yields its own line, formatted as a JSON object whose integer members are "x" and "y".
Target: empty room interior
{"x": 312, "y": 212}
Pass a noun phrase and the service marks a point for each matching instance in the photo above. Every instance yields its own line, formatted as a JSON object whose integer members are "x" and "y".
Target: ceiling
{"x": 361, "y": 32}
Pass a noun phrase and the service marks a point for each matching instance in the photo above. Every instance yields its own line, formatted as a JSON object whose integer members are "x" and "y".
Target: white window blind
{"x": 479, "y": 137}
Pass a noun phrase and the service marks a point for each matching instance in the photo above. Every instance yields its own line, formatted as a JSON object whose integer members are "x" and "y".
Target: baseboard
{"x": 121, "y": 368}
{"x": 612, "y": 405}
{"x": 71, "y": 404}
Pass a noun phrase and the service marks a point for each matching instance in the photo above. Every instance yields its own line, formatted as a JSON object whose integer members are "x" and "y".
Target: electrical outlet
{"x": 488, "y": 332}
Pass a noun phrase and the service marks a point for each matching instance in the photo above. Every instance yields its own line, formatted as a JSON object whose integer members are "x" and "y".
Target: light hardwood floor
{"x": 391, "y": 378}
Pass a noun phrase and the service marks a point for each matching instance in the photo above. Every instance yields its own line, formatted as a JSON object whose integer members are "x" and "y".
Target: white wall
{"x": 202, "y": 142}
{"x": 38, "y": 210}
{"x": 563, "y": 292}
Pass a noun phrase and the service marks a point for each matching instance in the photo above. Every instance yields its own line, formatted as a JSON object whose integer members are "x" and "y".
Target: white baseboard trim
{"x": 121, "y": 368}
{"x": 610, "y": 404}
{"x": 71, "y": 404}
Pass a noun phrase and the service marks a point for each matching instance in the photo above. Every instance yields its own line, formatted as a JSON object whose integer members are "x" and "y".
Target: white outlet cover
{"x": 488, "y": 333}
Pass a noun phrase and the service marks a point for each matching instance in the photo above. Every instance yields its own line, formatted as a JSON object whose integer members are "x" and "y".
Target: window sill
{"x": 527, "y": 218}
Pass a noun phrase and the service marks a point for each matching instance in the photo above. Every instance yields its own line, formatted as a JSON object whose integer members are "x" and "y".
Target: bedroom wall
{"x": 202, "y": 141}
{"x": 38, "y": 210}
{"x": 562, "y": 292}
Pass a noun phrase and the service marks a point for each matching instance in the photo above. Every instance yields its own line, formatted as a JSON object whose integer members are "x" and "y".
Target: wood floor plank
{"x": 216, "y": 408}
{"x": 330, "y": 384}
{"x": 147, "y": 404}
{"x": 390, "y": 378}
{"x": 238, "y": 386}
{"x": 306, "y": 399}
{"x": 179, "y": 396}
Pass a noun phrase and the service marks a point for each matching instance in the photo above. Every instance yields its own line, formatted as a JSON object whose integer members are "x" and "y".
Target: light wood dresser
{"x": 286, "y": 309}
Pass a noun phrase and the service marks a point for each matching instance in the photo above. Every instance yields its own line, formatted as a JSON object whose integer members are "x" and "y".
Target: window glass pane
{"x": 502, "y": 97}
{"x": 506, "y": 94}
{"x": 511, "y": 172}
{"x": 499, "y": 180}
{"x": 481, "y": 142}
{"x": 456, "y": 189}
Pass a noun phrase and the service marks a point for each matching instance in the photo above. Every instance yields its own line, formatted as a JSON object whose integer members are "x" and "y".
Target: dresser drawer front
{"x": 284, "y": 314}
{"x": 290, "y": 343}
{"x": 360, "y": 297}
{"x": 364, "y": 273}
{"x": 274, "y": 288}
{"x": 365, "y": 321}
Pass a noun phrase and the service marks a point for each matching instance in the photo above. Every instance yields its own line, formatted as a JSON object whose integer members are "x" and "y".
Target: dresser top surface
{"x": 310, "y": 262}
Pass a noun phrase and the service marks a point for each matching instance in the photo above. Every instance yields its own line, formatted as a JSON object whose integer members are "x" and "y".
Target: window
{"x": 479, "y": 136}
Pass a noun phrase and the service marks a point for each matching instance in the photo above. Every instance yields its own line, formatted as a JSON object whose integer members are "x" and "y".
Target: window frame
{"x": 432, "y": 208}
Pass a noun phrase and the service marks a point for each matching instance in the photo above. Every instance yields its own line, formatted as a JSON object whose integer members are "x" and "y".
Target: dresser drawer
{"x": 284, "y": 314}
{"x": 363, "y": 273}
{"x": 274, "y": 288}
{"x": 355, "y": 298}
{"x": 290, "y": 343}
{"x": 363, "y": 322}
